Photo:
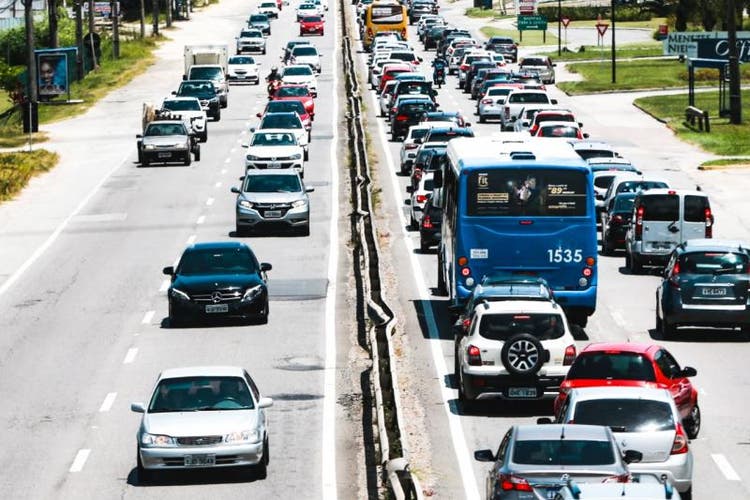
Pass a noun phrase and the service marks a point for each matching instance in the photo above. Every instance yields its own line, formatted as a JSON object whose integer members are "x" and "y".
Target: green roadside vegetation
{"x": 16, "y": 169}
{"x": 623, "y": 52}
{"x": 634, "y": 75}
{"x": 724, "y": 139}
{"x": 480, "y": 13}
{"x": 651, "y": 24}
{"x": 529, "y": 37}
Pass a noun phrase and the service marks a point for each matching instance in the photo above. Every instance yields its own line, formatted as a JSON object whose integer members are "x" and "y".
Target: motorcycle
{"x": 438, "y": 76}
{"x": 273, "y": 85}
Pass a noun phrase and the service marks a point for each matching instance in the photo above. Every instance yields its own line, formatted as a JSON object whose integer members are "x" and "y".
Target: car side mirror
{"x": 689, "y": 371}
{"x": 467, "y": 124}
{"x": 543, "y": 421}
{"x": 169, "y": 271}
{"x": 174, "y": 92}
{"x": 484, "y": 456}
{"x": 407, "y": 201}
{"x": 139, "y": 136}
{"x": 265, "y": 266}
{"x": 265, "y": 403}
{"x": 409, "y": 189}
{"x": 138, "y": 407}
{"x": 585, "y": 135}
{"x": 309, "y": 190}
{"x": 554, "y": 64}
{"x": 553, "y": 101}
{"x": 418, "y": 140}
{"x": 632, "y": 456}
{"x": 184, "y": 77}
{"x": 580, "y": 124}
{"x": 235, "y": 190}
{"x": 259, "y": 115}
{"x": 252, "y": 129}
{"x": 599, "y": 196}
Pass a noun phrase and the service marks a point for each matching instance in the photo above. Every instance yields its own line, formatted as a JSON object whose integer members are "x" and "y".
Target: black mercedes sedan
{"x": 218, "y": 280}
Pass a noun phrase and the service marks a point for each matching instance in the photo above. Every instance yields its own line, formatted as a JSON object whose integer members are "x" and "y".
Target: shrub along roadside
{"x": 17, "y": 168}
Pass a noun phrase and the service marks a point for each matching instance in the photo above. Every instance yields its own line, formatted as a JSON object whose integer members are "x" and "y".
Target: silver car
{"x": 276, "y": 198}
{"x": 641, "y": 418}
{"x": 203, "y": 417}
{"x": 545, "y": 457}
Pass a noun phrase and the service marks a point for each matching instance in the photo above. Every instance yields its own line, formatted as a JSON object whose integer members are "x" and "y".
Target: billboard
{"x": 52, "y": 73}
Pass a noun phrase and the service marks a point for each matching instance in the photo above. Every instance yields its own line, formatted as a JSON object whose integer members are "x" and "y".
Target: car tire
{"x": 197, "y": 153}
{"x": 261, "y": 469}
{"x": 217, "y": 116}
{"x": 188, "y": 159}
{"x": 578, "y": 317}
{"x": 424, "y": 246}
{"x": 145, "y": 162}
{"x": 305, "y": 231}
{"x": 306, "y": 155}
{"x": 634, "y": 266}
{"x": 687, "y": 495}
{"x": 203, "y": 137}
{"x": 522, "y": 354}
{"x": 263, "y": 318}
{"x": 413, "y": 225}
{"x": 144, "y": 475}
{"x": 263, "y": 52}
{"x": 667, "y": 329}
{"x": 693, "y": 422}
{"x": 394, "y": 137}
{"x": 482, "y": 119}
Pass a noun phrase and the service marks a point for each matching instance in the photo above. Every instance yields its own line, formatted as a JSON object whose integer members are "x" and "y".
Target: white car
{"x": 289, "y": 122}
{"x": 520, "y": 98}
{"x": 492, "y": 103}
{"x": 377, "y": 70}
{"x": 308, "y": 9}
{"x": 419, "y": 198}
{"x": 190, "y": 111}
{"x": 274, "y": 148}
{"x": 243, "y": 69}
{"x": 270, "y": 8}
{"x": 413, "y": 140}
{"x": 306, "y": 54}
{"x": 251, "y": 40}
{"x": 300, "y": 74}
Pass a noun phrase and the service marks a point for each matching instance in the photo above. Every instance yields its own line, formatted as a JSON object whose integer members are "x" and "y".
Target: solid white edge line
{"x": 466, "y": 472}
{"x": 148, "y": 317}
{"x": 328, "y": 459}
{"x": 130, "y": 356}
{"x": 725, "y": 467}
{"x": 80, "y": 460}
{"x": 5, "y": 286}
{"x": 109, "y": 400}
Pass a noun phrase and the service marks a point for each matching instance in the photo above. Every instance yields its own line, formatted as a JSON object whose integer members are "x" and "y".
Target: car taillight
{"x": 680, "y": 443}
{"x": 570, "y": 355}
{"x": 617, "y": 219}
{"x": 426, "y": 222}
{"x": 402, "y": 118}
{"x": 486, "y": 101}
{"x": 411, "y": 146}
{"x": 466, "y": 324}
{"x": 709, "y": 222}
{"x": 509, "y": 482}
{"x": 474, "y": 356}
{"x": 403, "y": 34}
{"x": 639, "y": 223}
{"x": 421, "y": 198}
{"x": 579, "y": 135}
{"x": 533, "y": 129}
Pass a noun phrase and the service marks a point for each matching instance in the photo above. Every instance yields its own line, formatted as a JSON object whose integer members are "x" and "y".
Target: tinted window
{"x": 292, "y": 92}
{"x": 281, "y": 121}
{"x": 156, "y": 129}
{"x": 260, "y": 139}
{"x": 297, "y": 70}
{"x": 533, "y": 61}
{"x": 304, "y": 50}
{"x": 559, "y": 131}
{"x": 180, "y": 105}
{"x": 387, "y": 14}
{"x": 714, "y": 262}
{"x": 595, "y": 153}
{"x": 272, "y": 184}
{"x": 530, "y": 97}
{"x": 241, "y": 60}
{"x": 416, "y": 107}
{"x": 660, "y": 207}
{"x": 201, "y": 261}
{"x": 603, "y": 181}
{"x": 624, "y": 203}
{"x": 625, "y": 415}
{"x": 447, "y": 136}
{"x": 563, "y": 452}
{"x": 201, "y": 393}
{"x": 282, "y": 106}
{"x": 695, "y": 208}
{"x": 635, "y": 186}
{"x": 312, "y": 19}
{"x": 504, "y": 326}
{"x": 514, "y": 192}
{"x": 258, "y": 18}
{"x": 615, "y": 366}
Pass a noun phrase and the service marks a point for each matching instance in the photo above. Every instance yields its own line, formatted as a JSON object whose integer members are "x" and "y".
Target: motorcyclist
{"x": 274, "y": 75}
{"x": 439, "y": 64}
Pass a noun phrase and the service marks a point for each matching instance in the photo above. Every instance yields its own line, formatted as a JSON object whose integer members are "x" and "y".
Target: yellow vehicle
{"x": 385, "y": 16}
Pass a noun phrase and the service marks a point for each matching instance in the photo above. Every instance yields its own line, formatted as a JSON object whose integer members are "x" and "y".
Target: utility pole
{"x": 735, "y": 98}
{"x": 78, "y": 5}
{"x": 31, "y": 90}
{"x": 559, "y": 28}
{"x": 143, "y": 20}
{"x": 92, "y": 28}
{"x": 169, "y": 13}
{"x": 52, "y": 17}
{"x": 614, "y": 71}
{"x": 115, "y": 29}
{"x": 156, "y": 17}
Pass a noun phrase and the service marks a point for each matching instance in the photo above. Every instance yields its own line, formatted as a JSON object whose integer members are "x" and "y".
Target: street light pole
{"x": 735, "y": 102}
{"x": 614, "y": 71}
{"x": 559, "y": 28}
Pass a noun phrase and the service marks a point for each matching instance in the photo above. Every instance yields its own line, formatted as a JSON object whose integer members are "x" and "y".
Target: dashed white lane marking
{"x": 201, "y": 219}
{"x": 130, "y": 356}
{"x": 80, "y": 460}
{"x": 725, "y": 467}
{"x": 223, "y": 171}
{"x": 164, "y": 285}
{"x": 209, "y": 202}
{"x": 232, "y": 150}
{"x": 227, "y": 160}
{"x": 108, "y": 402}
{"x": 217, "y": 185}
{"x": 148, "y": 317}
{"x": 617, "y": 316}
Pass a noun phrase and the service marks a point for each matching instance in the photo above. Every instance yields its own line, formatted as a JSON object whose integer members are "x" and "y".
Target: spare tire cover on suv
{"x": 523, "y": 354}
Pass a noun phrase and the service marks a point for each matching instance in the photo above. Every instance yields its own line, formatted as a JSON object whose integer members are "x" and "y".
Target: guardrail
{"x": 393, "y": 460}
{"x": 693, "y": 115}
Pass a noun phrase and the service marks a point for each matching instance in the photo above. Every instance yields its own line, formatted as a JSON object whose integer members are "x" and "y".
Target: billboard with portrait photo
{"x": 52, "y": 73}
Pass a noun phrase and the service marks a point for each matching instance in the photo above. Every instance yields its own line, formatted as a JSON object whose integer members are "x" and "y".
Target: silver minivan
{"x": 662, "y": 219}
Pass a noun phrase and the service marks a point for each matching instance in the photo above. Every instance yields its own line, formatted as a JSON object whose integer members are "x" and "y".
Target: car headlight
{"x": 148, "y": 146}
{"x": 299, "y": 203}
{"x": 252, "y": 158}
{"x": 252, "y": 293}
{"x": 158, "y": 440}
{"x": 246, "y": 204}
{"x": 296, "y": 156}
{"x": 247, "y": 436}
{"x": 178, "y": 294}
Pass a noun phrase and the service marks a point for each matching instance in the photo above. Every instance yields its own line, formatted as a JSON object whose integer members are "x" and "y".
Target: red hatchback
{"x": 638, "y": 365}
{"x": 298, "y": 93}
{"x": 391, "y": 70}
{"x": 312, "y": 25}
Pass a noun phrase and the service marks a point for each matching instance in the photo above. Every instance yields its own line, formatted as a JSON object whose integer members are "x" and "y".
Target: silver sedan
{"x": 203, "y": 417}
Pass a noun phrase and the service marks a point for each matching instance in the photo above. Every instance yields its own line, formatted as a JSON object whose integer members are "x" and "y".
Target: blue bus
{"x": 518, "y": 207}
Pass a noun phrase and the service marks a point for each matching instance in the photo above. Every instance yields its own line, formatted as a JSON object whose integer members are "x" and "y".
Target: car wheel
{"x": 667, "y": 329}
{"x": 693, "y": 422}
{"x": 394, "y": 136}
{"x": 204, "y": 136}
{"x": 140, "y": 155}
{"x": 188, "y": 159}
{"x": 605, "y": 247}
{"x": 635, "y": 266}
{"x": 687, "y": 495}
{"x": 578, "y": 317}
{"x": 145, "y": 162}
{"x": 144, "y": 475}
{"x": 263, "y": 52}
{"x": 306, "y": 155}
{"x": 522, "y": 354}
{"x": 482, "y": 119}
{"x": 263, "y": 318}
{"x": 262, "y": 468}
{"x": 305, "y": 231}
{"x": 217, "y": 116}
{"x": 413, "y": 225}
{"x": 424, "y": 246}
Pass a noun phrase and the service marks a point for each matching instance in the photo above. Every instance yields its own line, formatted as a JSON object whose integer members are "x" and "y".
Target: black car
{"x": 217, "y": 280}
{"x": 615, "y": 222}
{"x": 415, "y": 87}
{"x": 429, "y": 159}
{"x": 445, "y": 116}
{"x": 432, "y": 35}
{"x": 472, "y": 72}
{"x": 448, "y": 36}
{"x": 503, "y": 45}
{"x": 445, "y": 134}
{"x": 420, "y": 8}
{"x": 705, "y": 284}
{"x": 261, "y": 22}
{"x": 430, "y": 226}
{"x": 206, "y": 93}
{"x": 408, "y": 113}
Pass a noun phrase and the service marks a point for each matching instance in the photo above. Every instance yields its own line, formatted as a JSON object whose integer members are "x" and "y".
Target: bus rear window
{"x": 515, "y": 193}
{"x": 387, "y": 14}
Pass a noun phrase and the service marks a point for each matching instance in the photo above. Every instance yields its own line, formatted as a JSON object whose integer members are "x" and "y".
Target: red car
{"x": 638, "y": 365}
{"x": 391, "y": 70}
{"x": 295, "y": 92}
{"x": 312, "y": 25}
{"x": 289, "y": 105}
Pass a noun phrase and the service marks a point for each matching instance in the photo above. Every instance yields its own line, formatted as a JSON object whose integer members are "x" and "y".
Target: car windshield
{"x": 259, "y": 18}
{"x": 612, "y": 366}
{"x": 272, "y": 183}
{"x": 156, "y": 129}
{"x": 281, "y": 121}
{"x": 268, "y": 4}
{"x": 532, "y": 61}
{"x": 307, "y": 6}
{"x": 531, "y": 97}
{"x": 272, "y": 139}
{"x": 292, "y": 92}
{"x": 714, "y": 262}
{"x": 305, "y": 50}
{"x": 201, "y": 394}
{"x": 504, "y": 326}
{"x": 563, "y": 452}
{"x": 208, "y": 73}
{"x": 203, "y": 261}
{"x": 312, "y": 19}
{"x": 624, "y": 203}
{"x": 241, "y": 60}
{"x": 285, "y": 106}
{"x": 625, "y": 415}
{"x": 182, "y": 105}
{"x": 297, "y": 71}
{"x": 251, "y": 34}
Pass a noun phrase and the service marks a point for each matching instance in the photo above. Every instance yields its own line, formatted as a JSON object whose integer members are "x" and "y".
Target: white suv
{"x": 513, "y": 350}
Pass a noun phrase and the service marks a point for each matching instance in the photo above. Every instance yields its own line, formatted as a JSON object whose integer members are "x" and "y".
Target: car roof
{"x": 621, "y": 392}
{"x": 520, "y": 307}
{"x": 633, "y": 347}
{"x": 531, "y": 432}
{"x": 679, "y": 192}
{"x": 159, "y": 122}
{"x": 272, "y": 131}
{"x": 203, "y": 371}
{"x": 711, "y": 244}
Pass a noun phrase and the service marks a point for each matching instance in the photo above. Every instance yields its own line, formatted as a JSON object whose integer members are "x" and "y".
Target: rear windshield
{"x": 625, "y": 415}
{"x": 635, "y": 186}
{"x": 418, "y": 133}
{"x": 543, "y": 192}
{"x": 595, "y": 153}
{"x": 533, "y": 61}
{"x": 563, "y": 452}
{"x": 714, "y": 262}
{"x": 503, "y": 326}
{"x": 624, "y": 203}
{"x": 304, "y": 50}
{"x": 417, "y": 106}
{"x": 613, "y": 366}
{"x": 695, "y": 208}
{"x": 531, "y": 97}
{"x": 559, "y": 131}
{"x": 551, "y": 117}
{"x": 603, "y": 181}
{"x": 661, "y": 207}
{"x": 447, "y": 136}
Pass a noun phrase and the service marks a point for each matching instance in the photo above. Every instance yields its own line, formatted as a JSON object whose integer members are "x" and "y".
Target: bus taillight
{"x": 462, "y": 261}
{"x": 465, "y": 271}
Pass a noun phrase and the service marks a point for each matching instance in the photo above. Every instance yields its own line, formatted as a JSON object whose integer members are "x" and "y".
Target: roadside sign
{"x": 565, "y": 21}
{"x": 528, "y": 23}
{"x": 602, "y": 28}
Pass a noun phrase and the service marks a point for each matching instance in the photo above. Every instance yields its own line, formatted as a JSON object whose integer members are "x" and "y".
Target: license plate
{"x": 165, "y": 155}
{"x": 522, "y": 392}
{"x": 274, "y": 164}
{"x": 715, "y": 291}
{"x": 200, "y": 460}
{"x": 273, "y": 214}
{"x": 217, "y": 308}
